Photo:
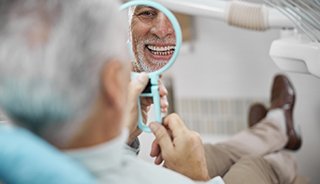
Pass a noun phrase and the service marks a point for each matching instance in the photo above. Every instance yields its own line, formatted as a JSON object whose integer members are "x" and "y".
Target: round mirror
{"x": 154, "y": 36}
{"x": 154, "y": 41}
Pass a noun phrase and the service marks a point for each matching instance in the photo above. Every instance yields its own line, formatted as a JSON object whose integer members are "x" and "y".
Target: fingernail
{"x": 153, "y": 126}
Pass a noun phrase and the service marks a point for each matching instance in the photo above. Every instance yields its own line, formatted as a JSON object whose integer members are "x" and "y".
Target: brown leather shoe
{"x": 257, "y": 112}
{"x": 283, "y": 96}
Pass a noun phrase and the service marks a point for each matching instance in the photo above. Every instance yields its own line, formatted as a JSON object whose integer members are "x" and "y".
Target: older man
{"x": 63, "y": 76}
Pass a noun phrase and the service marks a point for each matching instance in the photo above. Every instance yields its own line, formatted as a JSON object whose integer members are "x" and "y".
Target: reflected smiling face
{"x": 153, "y": 39}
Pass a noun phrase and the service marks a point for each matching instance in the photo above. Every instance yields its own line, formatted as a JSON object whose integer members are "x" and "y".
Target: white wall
{"x": 230, "y": 62}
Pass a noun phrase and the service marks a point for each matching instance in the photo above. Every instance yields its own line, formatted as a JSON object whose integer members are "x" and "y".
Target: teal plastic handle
{"x": 154, "y": 76}
{"x": 156, "y": 103}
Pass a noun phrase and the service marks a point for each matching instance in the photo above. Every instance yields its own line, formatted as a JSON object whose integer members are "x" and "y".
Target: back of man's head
{"x": 51, "y": 54}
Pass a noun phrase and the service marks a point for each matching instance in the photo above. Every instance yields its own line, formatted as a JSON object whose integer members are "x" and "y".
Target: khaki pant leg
{"x": 219, "y": 160}
{"x": 251, "y": 170}
{"x": 284, "y": 164}
{"x": 263, "y": 138}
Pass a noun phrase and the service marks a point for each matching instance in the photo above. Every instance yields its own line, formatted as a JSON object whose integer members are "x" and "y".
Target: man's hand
{"x": 180, "y": 148}
{"x": 163, "y": 92}
{"x": 136, "y": 87}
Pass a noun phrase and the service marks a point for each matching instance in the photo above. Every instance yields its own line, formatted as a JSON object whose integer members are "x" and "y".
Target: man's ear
{"x": 113, "y": 82}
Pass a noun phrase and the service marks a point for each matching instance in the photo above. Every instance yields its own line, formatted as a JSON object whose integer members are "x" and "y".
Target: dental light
{"x": 298, "y": 49}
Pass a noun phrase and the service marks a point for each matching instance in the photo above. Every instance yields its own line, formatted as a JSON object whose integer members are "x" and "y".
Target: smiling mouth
{"x": 161, "y": 50}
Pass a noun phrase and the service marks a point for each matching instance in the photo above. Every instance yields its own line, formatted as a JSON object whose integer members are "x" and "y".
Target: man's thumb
{"x": 141, "y": 81}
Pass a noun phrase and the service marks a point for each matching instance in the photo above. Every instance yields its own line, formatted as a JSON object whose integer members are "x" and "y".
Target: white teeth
{"x": 161, "y": 48}
{"x": 162, "y": 53}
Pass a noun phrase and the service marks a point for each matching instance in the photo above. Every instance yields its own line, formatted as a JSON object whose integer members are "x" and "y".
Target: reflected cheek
{"x": 140, "y": 30}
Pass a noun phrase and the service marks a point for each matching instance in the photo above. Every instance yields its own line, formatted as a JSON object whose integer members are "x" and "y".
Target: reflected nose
{"x": 162, "y": 27}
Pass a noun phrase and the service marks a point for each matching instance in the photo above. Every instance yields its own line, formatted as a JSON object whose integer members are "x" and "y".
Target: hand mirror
{"x": 154, "y": 42}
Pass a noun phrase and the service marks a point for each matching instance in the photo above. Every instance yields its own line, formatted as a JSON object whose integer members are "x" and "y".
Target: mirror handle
{"x": 156, "y": 104}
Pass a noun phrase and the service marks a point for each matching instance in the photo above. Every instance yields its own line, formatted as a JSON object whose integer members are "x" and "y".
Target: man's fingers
{"x": 158, "y": 160}
{"x": 156, "y": 152}
{"x": 137, "y": 85}
{"x": 155, "y": 149}
{"x": 163, "y": 92}
{"x": 162, "y": 89}
{"x": 164, "y": 104}
{"x": 174, "y": 124}
{"x": 164, "y": 110}
{"x": 162, "y": 137}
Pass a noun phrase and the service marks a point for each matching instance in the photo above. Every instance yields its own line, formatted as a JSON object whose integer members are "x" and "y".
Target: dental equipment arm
{"x": 237, "y": 13}
{"x": 295, "y": 51}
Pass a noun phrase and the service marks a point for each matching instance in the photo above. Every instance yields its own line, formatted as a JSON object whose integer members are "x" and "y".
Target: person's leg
{"x": 284, "y": 165}
{"x": 275, "y": 168}
{"x": 251, "y": 170}
{"x": 218, "y": 159}
{"x": 263, "y": 138}
{"x": 273, "y": 133}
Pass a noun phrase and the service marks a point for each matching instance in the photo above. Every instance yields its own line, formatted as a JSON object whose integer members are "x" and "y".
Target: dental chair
{"x": 25, "y": 158}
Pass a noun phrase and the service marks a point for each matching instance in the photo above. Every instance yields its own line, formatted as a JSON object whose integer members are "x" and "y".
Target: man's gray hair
{"x": 51, "y": 55}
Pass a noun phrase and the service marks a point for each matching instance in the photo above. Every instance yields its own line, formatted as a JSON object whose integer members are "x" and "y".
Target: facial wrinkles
{"x": 151, "y": 65}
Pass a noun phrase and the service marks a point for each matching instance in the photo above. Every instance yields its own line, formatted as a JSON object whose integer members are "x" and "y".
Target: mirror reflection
{"x": 152, "y": 37}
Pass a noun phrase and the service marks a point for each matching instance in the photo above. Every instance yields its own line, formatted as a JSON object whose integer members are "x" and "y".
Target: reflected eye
{"x": 147, "y": 14}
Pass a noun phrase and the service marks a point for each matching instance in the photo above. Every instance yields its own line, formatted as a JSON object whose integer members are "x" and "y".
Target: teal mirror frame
{"x": 154, "y": 76}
